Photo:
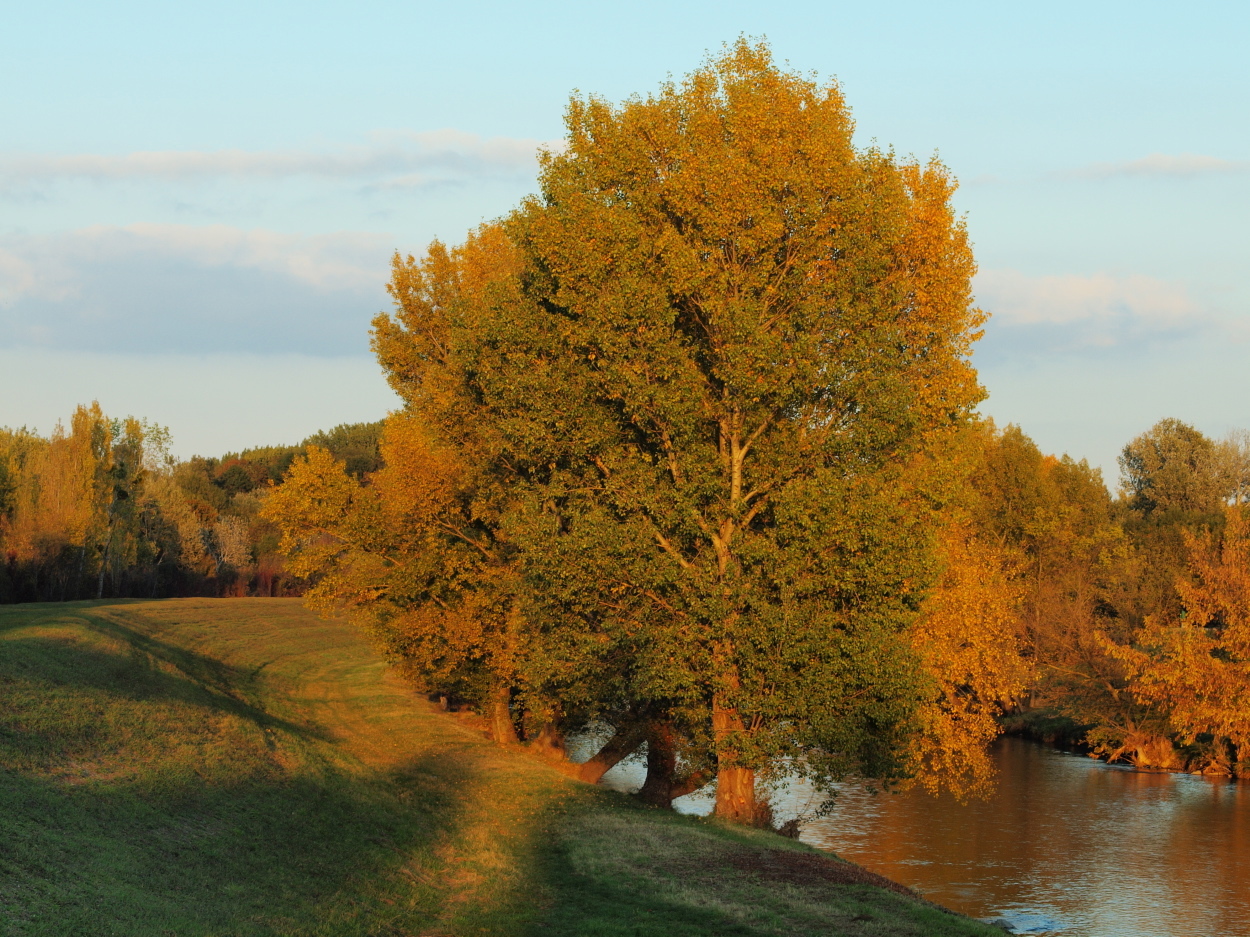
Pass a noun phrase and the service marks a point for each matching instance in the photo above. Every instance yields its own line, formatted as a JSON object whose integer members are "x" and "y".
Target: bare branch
{"x": 668, "y": 547}
{"x": 460, "y": 535}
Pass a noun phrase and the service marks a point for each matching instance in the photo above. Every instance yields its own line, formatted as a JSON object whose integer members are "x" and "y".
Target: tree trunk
{"x": 623, "y": 743}
{"x": 735, "y": 796}
{"x": 502, "y": 729}
{"x": 735, "y": 784}
{"x": 665, "y": 783}
{"x": 549, "y": 743}
{"x": 82, "y": 563}
{"x": 657, "y": 790}
{"x": 104, "y": 562}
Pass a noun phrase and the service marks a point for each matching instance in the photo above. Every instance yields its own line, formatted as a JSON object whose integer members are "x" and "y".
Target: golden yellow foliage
{"x": 420, "y": 478}
{"x": 1197, "y": 667}
{"x": 312, "y": 507}
{"x": 58, "y": 496}
{"x": 966, "y": 638}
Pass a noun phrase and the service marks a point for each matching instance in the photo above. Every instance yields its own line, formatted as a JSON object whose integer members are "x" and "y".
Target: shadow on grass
{"x": 56, "y": 662}
{"x": 217, "y": 834}
{"x": 181, "y": 821}
{"x": 618, "y": 906}
{"x": 136, "y": 798}
{"x": 314, "y": 855}
{"x": 621, "y": 898}
{"x": 622, "y": 870}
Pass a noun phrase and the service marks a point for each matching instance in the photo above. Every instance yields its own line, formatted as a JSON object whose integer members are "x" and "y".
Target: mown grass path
{"x": 242, "y": 767}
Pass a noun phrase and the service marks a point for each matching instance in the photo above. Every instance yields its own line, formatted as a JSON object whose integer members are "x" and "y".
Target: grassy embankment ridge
{"x": 223, "y": 767}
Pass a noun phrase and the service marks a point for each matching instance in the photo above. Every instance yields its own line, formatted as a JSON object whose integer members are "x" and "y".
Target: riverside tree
{"x": 737, "y": 345}
{"x": 673, "y": 446}
{"x": 1195, "y": 667}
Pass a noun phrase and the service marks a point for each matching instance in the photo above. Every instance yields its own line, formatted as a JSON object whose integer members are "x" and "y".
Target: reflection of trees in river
{"x": 1066, "y": 843}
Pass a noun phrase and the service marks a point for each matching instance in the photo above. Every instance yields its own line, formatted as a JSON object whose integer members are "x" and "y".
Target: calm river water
{"x": 1067, "y": 846}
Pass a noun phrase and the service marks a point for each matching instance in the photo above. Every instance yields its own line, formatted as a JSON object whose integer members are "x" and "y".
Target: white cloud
{"x": 1025, "y": 300}
{"x": 46, "y": 266}
{"x": 343, "y": 260}
{"x": 1162, "y": 165}
{"x": 17, "y": 277}
{"x": 415, "y": 156}
{"x": 1100, "y": 311}
{"x": 179, "y": 288}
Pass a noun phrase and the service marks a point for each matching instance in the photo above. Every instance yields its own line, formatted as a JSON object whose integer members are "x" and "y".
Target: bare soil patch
{"x": 798, "y": 868}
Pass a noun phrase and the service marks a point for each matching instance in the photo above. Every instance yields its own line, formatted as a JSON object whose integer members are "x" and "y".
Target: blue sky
{"x": 198, "y": 202}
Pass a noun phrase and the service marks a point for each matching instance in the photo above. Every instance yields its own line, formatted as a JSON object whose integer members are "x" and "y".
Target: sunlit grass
{"x": 239, "y": 767}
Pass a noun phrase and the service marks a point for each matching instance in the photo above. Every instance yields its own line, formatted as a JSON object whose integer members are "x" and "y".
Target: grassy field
{"x": 242, "y": 767}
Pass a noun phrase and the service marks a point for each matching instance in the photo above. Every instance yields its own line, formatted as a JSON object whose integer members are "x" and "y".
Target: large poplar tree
{"x": 673, "y": 446}
{"x": 738, "y": 343}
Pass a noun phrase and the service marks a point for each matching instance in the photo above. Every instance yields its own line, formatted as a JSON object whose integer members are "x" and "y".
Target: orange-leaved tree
{"x": 734, "y": 334}
{"x": 416, "y": 552}
{"x": 1195, "y": 665}
{"x": 968, "y": 640}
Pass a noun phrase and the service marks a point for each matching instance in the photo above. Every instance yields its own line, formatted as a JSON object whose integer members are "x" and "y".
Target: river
{"x": 1067, "y": 845}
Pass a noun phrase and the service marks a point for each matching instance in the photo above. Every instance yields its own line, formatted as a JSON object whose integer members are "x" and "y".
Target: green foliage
{"x": 195, "y": 478}
{"x": 671, "y": 434}
{"x": 732, "y": 338}
{"x": 1173, "y": 468}
{"x": 356, "y": 444}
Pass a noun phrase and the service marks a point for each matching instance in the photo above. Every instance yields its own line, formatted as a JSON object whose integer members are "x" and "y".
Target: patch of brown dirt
{"x": 799, "y": 868}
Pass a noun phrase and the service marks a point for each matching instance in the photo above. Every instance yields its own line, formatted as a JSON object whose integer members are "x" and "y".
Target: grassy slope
{"x": 195, "y": 767}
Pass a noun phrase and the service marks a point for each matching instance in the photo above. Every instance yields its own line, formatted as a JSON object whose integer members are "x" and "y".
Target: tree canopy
{"x": 671, "y": 455}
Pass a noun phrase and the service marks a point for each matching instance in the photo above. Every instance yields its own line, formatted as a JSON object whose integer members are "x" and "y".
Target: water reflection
{"x": 1068, "y": 845}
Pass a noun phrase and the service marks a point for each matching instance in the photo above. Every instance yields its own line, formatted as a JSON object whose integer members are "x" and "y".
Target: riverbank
{"x": 1149, "y": 753}
{"x": 242, "y": 767}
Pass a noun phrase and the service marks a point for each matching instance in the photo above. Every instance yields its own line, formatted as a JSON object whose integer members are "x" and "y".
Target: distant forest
{"x": 102, "y": 510}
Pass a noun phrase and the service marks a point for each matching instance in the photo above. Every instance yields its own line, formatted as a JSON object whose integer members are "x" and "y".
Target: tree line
{"x": 101, "y": 509}
{"x": 1134, "y": 611}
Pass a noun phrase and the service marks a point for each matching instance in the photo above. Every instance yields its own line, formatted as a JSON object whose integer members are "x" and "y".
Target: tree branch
{"x": 671, "y": 550}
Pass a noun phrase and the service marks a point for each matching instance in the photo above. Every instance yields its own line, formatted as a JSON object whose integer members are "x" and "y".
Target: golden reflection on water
{"x": 1067, "y": 845}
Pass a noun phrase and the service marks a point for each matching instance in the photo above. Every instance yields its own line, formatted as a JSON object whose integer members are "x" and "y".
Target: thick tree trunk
{"x": 624, "y": 742}
{"x": 502, "y": 729}
{"x": 735, "y": 796}
{"x": 549, "y": 743}
{"x": 661, "y": 766}
{"x": 664, "y": 783}
{"x": 735, "y": 784}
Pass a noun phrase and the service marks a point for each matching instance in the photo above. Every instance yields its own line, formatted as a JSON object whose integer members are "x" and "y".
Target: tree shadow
{"x": 304, "y": 855}
{"x": 221, "y": 839}
{"x": 198, "y": 680}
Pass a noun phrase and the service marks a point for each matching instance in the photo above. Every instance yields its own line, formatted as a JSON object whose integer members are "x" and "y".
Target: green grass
{"x": 241, "y": 767}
